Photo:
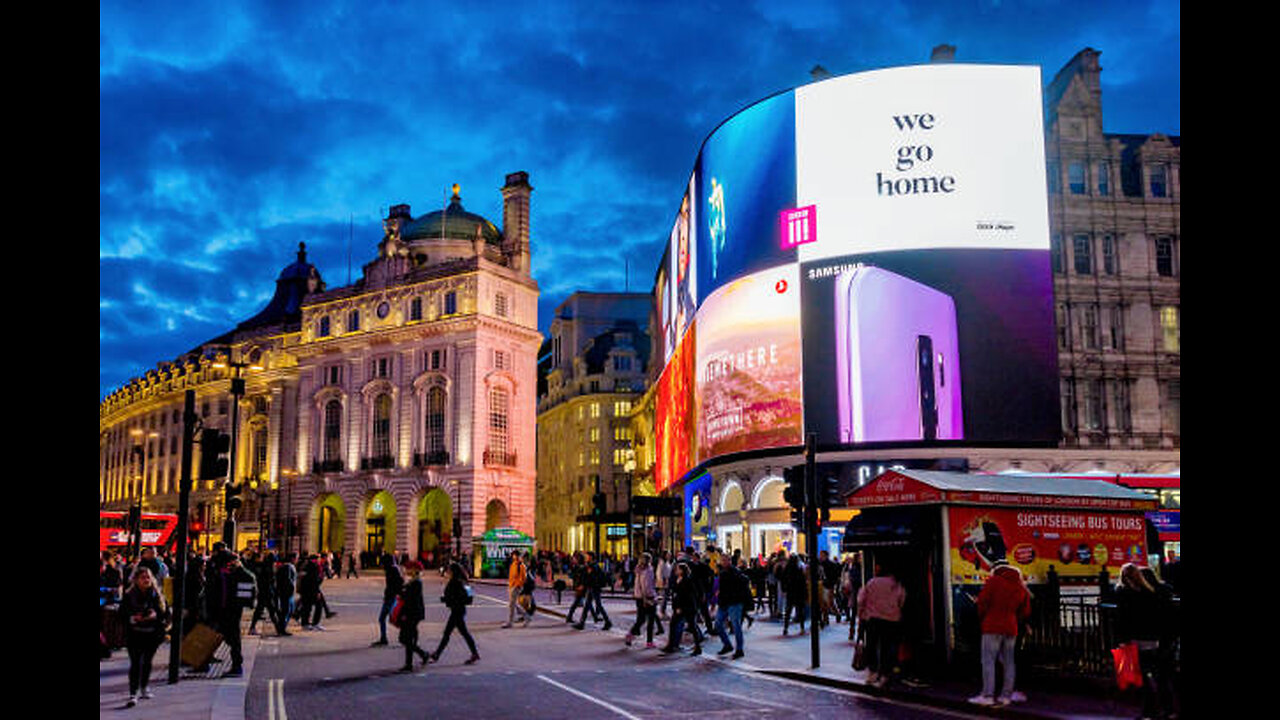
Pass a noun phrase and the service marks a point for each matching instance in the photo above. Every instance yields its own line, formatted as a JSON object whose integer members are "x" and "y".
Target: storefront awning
{"x": 917, "y": 487}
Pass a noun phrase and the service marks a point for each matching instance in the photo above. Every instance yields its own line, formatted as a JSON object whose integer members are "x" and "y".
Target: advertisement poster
{"x": 1076, "y": 543}
{"x": 748, "y": 367}
{"x": 697, "y": 510}
{"x": 675, "y": 416}
{"x": 683, "y": 277}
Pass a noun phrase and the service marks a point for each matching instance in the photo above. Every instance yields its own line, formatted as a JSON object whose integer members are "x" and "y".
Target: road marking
{"x": 585, "y": 696}
{"x": 275, "y": 699}
{"x": 852, "y": 693}
{"x": 752, "y": 700}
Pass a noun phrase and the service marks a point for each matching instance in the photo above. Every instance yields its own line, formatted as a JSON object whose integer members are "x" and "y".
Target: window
{"x": 594, "y": 386}
{"x": 595, "y": 409}
{"x": 1075, "y": 178}
{"x": 222, "y": 407}
{"x": 1159, "y": 181}
{"x": 500, "y": 360}
{"x": 621, "y": 407}
{"x": 1173, "y": 407}
{"x": 333, "y": 375}
{"x": 619, "y": 456}
{"x": 1094, "y": 411}
{"x": 1169, "y": 328}
{"x": 582, "y": 461}
{"x": 1055, "y": 177}
{"x": 1082, "y": 250}
{"x": 323, "y": 329}
{"x": 434, "y": 421}
{"x": 500, "y": 305}
{"x": 1089, "y": 327}
{"x": 1115, "y": 336}
{"x": 353, "y": 321}
{"x": 1104, "y": 178}
{"x": 450, "y": 303}
{"x": 259, "y": 469}
{"x": 499, "y": 403}
{"x": 1164, "y": 257}
{"x": 1068, "y": 405}
{"x": 435, "y": 359}
{"x": 332, "y": 431}
{"x": 622, "y": 363}
{"x": 381, "y": 367}
{"x": 1109, "y": 264}
{"x": 1120, "y": 403}
{"x": 1064, "y": 327}
{"x": 594, "y": 434}
{"x": 1055, "y": 251}
{"x": 595, "y": 456}
{"x": 415, "y": 309}
{"x": 622, "y": 433}
{"x": 382, "y": 426}
{"x": 173, "y": 445}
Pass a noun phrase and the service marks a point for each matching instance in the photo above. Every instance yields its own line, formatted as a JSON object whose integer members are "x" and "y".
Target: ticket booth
{"x": 940, "y": 533}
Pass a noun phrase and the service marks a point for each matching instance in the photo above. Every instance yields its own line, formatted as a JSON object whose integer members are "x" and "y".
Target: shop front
{"x": 941, "y": 533}
{"x": 493, "y": 550}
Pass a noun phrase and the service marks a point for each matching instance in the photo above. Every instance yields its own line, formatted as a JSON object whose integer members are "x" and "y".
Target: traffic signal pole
{"x": 184, "y": 505}
{"x": 229, "y": 525}
{"x": 811, "y": 542}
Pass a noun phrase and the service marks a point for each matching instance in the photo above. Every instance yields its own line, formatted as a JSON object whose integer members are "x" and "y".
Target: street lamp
{"x": 141, "y": 444}
{"x": 237, "y": 392}
{"x": 287, "y": 517}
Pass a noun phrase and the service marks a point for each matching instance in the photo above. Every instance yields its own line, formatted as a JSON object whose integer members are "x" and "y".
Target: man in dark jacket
{"x": 733, "y": 593}
{"x": 286, "y": 585}
{"x": 233, "y": 589}
{"x": 595, "y": 582}
{"x": 264, "y": 574}
{"x": 395, "y": 581}
{"x": 309, "y": 579}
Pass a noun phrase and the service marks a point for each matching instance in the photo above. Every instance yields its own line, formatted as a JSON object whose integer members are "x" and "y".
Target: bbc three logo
{"x": 799, "y": 226}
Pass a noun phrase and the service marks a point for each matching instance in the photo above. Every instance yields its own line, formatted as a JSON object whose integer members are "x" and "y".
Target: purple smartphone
{"x": 897, "y": 359}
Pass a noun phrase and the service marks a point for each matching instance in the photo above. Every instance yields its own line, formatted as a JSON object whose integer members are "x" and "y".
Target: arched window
{"x": 499, "y": 446}
{"x": 259, "y": 453}
{"x": 433, "y": 425}
{"x": 382, "y": 426}
{"x": 332, "y": 431}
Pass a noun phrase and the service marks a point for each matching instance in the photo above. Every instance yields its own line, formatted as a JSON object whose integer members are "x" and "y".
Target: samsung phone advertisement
{"x": 867, "y": 258}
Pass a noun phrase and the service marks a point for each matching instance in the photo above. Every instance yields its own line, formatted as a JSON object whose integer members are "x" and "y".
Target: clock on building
{"x": 384, "y": 307}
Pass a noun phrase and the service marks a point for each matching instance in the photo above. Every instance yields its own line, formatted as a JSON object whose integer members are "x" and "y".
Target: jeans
{"x": 581, "y": 601}
{"x": 382, "y": 618}
{"x": 733, "y": 614}
{"x": 457, "y": 620}
{"x": 513, "y": 604}
{"x": 882, "y": 645}
{"x": 997, "y": 647}
{"x": 595, "y": 606}
{"x": 269, "y": 607}
{"x": 646, "y": 614}
{"x": 801, "y": 612}
{"x": 284, "y": 612}
{"x": 677, "y": 630}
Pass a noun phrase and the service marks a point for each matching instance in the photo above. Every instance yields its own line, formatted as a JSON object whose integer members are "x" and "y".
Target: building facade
{"x": 395, "y": 414}
{"x": 596, "y": 364}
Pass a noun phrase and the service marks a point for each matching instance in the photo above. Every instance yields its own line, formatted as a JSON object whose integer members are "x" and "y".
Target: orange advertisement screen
{"x": 675, "y": 415}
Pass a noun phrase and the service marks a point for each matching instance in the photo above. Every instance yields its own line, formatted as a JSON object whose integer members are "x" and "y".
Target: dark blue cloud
{"x": 229, "y": 133}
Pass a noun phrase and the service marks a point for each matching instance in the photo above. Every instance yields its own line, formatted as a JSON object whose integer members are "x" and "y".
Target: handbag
{"x": 396, "y": 609}
{"x": 860, "y": 650}
{"x": 1128, "y": 671}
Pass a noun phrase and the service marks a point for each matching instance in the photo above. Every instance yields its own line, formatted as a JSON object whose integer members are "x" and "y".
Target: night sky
{"x": 230, "y": 132}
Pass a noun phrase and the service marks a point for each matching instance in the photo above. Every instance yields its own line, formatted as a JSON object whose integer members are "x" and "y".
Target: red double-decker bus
{"x": 158, "y": 530}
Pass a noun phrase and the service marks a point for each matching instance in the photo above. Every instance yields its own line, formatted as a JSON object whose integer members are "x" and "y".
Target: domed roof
{"x": 296, "y": 281}
{"x": 454, "y": 222}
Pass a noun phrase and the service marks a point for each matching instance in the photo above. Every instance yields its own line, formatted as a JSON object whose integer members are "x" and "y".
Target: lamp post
{"x": 237, "y": 392}
{"x": 140, "y": 447}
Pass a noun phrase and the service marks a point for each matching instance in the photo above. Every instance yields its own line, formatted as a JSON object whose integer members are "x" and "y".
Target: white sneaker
{"x": 146, "y": 694}
{"x": 986, "y": 700}
{"x": 318, "y": 627}
{"x": 1017, "y": 697}
{"x": 133, "y": 700}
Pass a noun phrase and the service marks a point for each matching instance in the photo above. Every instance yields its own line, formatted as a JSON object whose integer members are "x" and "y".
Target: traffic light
{"x": 233, "y": 497}
{"x": 794, "y": 492}
{"x": 597, "y": 504}
{"x": 828, "y": 496}
{"x": 214, "y": 446}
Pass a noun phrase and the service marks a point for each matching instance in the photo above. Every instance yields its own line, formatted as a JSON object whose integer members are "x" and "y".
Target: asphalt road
{"x": 545, "y": 670}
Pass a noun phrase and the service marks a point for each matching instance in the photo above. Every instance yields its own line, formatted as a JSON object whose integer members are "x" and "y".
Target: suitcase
{"x": 199, "y": 645}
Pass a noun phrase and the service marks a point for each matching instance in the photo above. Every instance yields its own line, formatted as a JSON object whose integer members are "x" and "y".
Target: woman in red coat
{"x": 1003, "y": 603}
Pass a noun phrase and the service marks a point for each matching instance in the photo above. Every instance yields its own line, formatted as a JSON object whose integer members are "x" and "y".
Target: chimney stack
{"x": 515, "y": 220}
{"x": 943, "y": 54}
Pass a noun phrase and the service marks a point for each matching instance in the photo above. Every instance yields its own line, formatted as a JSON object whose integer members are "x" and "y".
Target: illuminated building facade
{"x": 596, "y": 361}
{"x": 394, "y": 414}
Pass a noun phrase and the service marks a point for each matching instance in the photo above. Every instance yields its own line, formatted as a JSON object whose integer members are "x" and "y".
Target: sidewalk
{"x": 204, "y": 696}
{"x": 767, "y": 651}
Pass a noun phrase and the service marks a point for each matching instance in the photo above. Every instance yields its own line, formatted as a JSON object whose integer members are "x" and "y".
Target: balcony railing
{"x": 438, "y": 457}
{"x": 326, "y": 466}
{"x": 381, "y": 462}
{"x": 498, "y": 457}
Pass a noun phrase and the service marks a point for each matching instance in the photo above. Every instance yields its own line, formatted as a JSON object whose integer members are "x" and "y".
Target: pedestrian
{"x": 850, "y": 584}
{"x": 351, "y": 566}
{"x": 159, "y": 571}
{"x": 880, "y": 607}
{"x": 391, "y": 591}
{"x": 516, "y": 573}
{"x": 733, "y": 594}
{"x": 145, "y": 616}
{"x": 413, "y": 610}
{"x": 234, "y": 588}
{"x": 646, "y": 596}
{"x": 457, "y": 596}
{"x": 578, "y": 578}
{"x": 595, "y": 582}
{"x": 264, "y": 574}
{"x": 1141, "y": 610}
{"x": 527, "y": 601}
{"x": 830, "y": 576}
{"x": 795, "y": 590}
{"x": 1003, "y": 604}
{"x": 310, "y": 575}
{"x": 662, "y": 582}
{"x": 286, "y": 584}
{"x": 683, "y": 610}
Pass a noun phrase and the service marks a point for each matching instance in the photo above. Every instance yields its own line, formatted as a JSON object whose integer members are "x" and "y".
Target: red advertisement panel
{"x": 1076, "y": 543}
{"x": 675, "y": 415}
{"x": 893, "y": 489}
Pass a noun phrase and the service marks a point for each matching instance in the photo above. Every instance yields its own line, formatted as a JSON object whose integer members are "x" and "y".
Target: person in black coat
{"x": 232, "y": 588}
{"x": 395, "y": 582}
{"x": 793, "y": 586}
{"x": 286, "y": 585}
{"x": 264, "y": 574}
{"x": 457, "y": 597}
{"x": 309, "y": 579}
{"x": 145, "y": 614}
{"x": 1144, "y": 616}
{"x": 413, "y": 610}
{"x": 684, "y": 609}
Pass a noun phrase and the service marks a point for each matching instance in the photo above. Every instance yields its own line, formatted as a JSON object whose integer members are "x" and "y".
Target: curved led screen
{"x": 867, "y": 258}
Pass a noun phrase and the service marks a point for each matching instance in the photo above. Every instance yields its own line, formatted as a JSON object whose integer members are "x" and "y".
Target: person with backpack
{"x": 233, "y": 589}
{"x": 732, "y": 594}
{"x": 412, "y": 611}
{"x": 457, "y": 596}
{"x": 310, "y": 575}
{"x": 394, "y": 583}
{"x": 145, "y": 615}
{"x": 595, "y": 582}
{"x": 527, "y": 601}
{"x": 264, "y": 573}
{"x": 578, "y": 579}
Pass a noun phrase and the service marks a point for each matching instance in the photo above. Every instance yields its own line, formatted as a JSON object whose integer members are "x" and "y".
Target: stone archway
{"x": 330, "y": 523}
{"x": 496, "y": 515}
{"x": 435, "y": 525}
{"x": 379, "y": 526}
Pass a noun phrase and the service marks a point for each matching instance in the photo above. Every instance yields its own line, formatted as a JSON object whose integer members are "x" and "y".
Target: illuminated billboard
{"x": 905, "y": 212}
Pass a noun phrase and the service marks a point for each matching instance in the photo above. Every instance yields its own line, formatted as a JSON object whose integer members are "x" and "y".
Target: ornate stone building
{"x": 396, "y": 413}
